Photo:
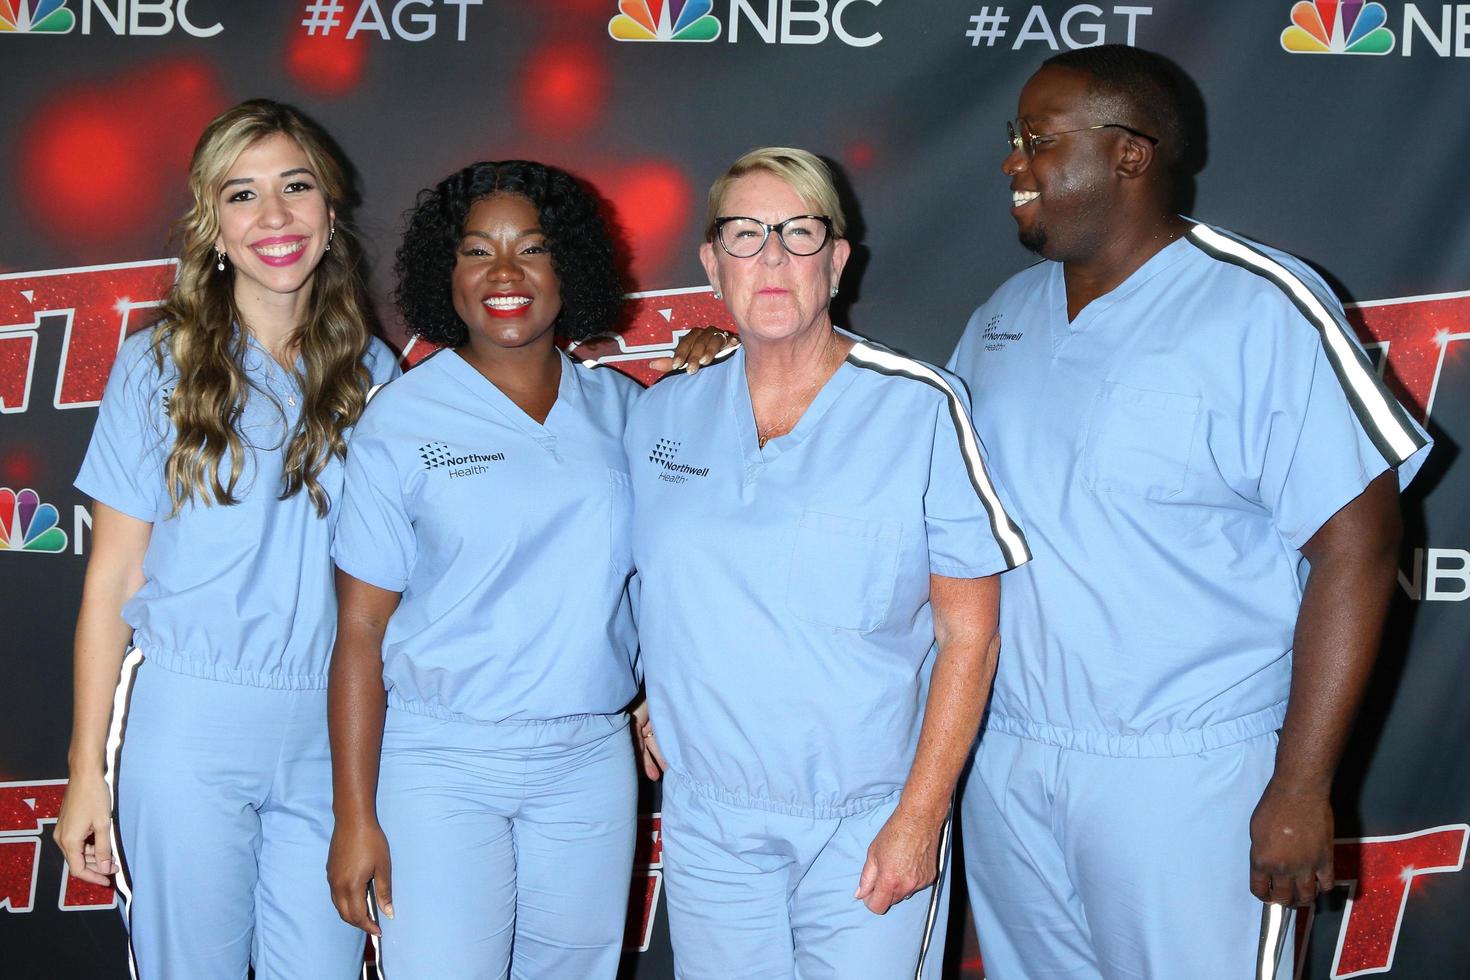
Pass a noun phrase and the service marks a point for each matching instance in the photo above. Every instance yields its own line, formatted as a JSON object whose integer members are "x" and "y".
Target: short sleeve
{"x": 971, "y": 532}
{"x": 374, "y": 539}
{"x": 1332, "y": 434}
{"x": 382, "y": 363}
{"x": 123, "y": 467}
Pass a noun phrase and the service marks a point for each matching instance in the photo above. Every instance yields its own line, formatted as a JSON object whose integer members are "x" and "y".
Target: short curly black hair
{"x": 581, "y": 249}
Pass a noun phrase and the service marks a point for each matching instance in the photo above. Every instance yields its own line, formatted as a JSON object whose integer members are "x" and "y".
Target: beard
{"x": 1033, "y": 239}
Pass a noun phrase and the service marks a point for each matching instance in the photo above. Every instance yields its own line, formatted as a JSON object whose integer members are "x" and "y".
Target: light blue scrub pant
{"x": 1088, "y": 866}
{"x": 759, "y": 895}
{"x": 511, "y": 847}
{"x": 224, "y": 813}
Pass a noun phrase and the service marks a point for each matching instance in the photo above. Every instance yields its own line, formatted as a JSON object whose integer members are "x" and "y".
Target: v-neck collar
{"x": 567, "y": 388}
{"x": 740, "y": 403}
{"x": 1063, "y": 330}
{"x": 273, "y": 379}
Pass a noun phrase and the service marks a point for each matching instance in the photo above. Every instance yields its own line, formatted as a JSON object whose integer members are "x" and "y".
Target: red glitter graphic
{"x": 648, "y": 860}
{"x": 655, "y": 322}
{"x": 25, "y": 808}
{"x": 1381, "y": 873}
{"x": 1417, "y": 331}
{"x": 19, "y": 861}
{"x": 96, "y": 306}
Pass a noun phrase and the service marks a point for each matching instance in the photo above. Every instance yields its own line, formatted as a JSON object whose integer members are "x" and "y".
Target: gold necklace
{"x": 803, "y": 401}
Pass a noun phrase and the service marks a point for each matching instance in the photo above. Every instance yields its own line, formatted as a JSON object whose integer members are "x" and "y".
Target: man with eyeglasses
{"x": 1207, "y": 468}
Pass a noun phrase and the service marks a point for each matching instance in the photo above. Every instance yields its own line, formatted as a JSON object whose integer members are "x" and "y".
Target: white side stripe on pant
{"x": 1273, "y": 939}
{"x": 934, "y": 910}
{"x": 120, "y": 698}
{"x": 377, "y": 941}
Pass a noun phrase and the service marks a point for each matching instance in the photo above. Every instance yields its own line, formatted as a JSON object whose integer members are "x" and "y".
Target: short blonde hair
{"x": 803, "y": 171}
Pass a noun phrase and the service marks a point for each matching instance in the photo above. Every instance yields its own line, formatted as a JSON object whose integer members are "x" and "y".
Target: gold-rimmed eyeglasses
{"x": 1020, "y": 137}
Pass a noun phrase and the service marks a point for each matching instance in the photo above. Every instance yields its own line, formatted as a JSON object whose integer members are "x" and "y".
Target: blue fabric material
{"x": 785, "y": 621}
{"x": 512, "y": 846}
{"x": 1171, "y": 449}
{"x": 1093, "y": 867}
{"x": 769, "y": 896}
{"x": 240, "y": 593}
{"x": 507, "y": 538}
{"x": 224, "y": 817}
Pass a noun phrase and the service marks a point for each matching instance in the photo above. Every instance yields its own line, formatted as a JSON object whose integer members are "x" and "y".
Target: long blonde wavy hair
{"x": 197, "y": 331}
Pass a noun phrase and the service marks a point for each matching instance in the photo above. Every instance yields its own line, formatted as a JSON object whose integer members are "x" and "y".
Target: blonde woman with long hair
{"x": 200, "y": 773}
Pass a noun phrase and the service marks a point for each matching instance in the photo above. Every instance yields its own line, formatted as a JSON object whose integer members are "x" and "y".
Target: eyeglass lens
{"x": 744, "y": 237}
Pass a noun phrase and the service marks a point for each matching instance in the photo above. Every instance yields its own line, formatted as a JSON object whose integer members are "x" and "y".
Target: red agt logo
{"x": 648, "y": 880}
{"x": 25, "y": 809}
{"x": 1414, "y": 333}
{"x": 1380, "y": 874}
{"x": 90, "y": 309}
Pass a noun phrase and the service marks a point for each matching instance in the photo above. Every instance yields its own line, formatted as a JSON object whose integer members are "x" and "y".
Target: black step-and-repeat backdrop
{"x": 1338, "y": 130}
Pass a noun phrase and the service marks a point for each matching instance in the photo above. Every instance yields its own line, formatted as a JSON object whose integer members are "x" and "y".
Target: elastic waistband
{"x": 442, "y": 713}
{"x": 192, "y": 666}
{"x": 816, "y": 810}
{"x": 405, "y": 728}
{"x": 1188, "y": 741}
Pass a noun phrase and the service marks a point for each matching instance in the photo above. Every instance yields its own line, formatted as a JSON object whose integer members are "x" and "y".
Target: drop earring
{"x": 219, "y": 262}
{"x": 330, "y": 235}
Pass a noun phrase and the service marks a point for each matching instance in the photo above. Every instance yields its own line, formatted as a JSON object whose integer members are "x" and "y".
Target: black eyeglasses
{"x": 805, "y": 234}
{"x": 1020, "y": 137}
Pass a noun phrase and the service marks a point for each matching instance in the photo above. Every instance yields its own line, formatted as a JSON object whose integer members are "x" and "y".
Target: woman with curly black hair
{"x": 483, "y": 568}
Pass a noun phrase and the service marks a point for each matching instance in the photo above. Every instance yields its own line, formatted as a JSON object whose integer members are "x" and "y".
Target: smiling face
{"x": 274, "y": 221}
{"x": 504, "y": 286}
{"x": 1061, "y": 196}
{"x": 773, "y": 295}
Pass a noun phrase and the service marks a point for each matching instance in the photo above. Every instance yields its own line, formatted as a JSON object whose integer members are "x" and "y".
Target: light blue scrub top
{"x": 240, "y": 593}
{"x": 1171, "y": 449}
{"x": 508, "y": 539}
{"x": 784, "y": 617}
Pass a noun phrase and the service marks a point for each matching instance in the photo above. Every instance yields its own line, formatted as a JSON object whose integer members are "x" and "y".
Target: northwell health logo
{"x": 28, "y": 525}
{"x": 437, "y": 454}
{"x": 1338, "y": 27}
{"x": 36, "y": 17}
{"x": 664, "y": 20}
{"x": 664, "y": 452}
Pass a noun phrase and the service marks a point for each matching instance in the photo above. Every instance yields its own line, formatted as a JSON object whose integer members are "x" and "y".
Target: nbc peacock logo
{"x": 36, "y": 17}
{"x": 663, "y": 20}
{"x": 26, "y": 524}
{"x": 1338, "y": 27}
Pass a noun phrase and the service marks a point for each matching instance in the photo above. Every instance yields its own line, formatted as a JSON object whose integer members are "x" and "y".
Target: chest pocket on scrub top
{"x": 620, "y": 520}
{"x": 1139, "y": 441}
{"x": 842, "y": 570}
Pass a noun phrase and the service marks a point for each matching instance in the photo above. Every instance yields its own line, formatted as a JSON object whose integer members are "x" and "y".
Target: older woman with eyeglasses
{"x": 819, "y": 543}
